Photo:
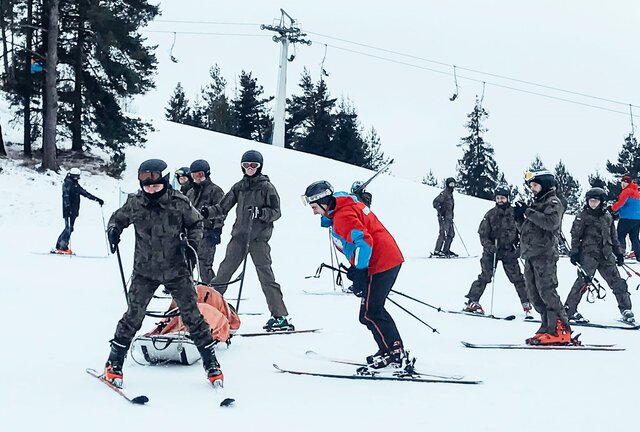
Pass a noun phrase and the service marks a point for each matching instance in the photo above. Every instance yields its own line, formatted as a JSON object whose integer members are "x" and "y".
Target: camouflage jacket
{"x": 539, "y": 230}
{"x": 206, "y": 194}
{"x": 444, "y": 203}
{"x": 593, "y": 232}
{"x": 250, "y": 192}
{"x": 498, "y": 223}
{"x": 158, "y": 226}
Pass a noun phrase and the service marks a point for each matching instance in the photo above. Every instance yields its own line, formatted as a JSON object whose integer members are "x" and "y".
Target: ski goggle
{"x": 148, "y": 175}
{"x": 306, "y": 200}
{"x": 180, "y": 173}
{"x": 528, "y": 176}
{"x": 247, "y": 165}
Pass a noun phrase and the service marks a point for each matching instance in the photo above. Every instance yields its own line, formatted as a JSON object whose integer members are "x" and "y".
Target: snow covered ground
{"x": 60, "y": 312}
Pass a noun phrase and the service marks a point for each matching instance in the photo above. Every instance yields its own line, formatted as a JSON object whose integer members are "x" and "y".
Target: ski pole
{"x": 366, "y": 183}
{"x": 493, "y": 273}
{"x": 104, "y": 226}
{"x": 459, "y": 236}
{"x": 253, "y": 211}
{"x": 439, "y": 309}
{"x": 124, "y": 283}
{"x": 331, "y": 254}
{"x": 600, "y": 292}
{"x": 410, "y": 313}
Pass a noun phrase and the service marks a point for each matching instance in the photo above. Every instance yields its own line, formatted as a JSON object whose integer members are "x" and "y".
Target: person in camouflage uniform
{"x": 184, "y": 179}
{"x": 500, "y": 242}
{"x": 257, "y": 208}
{"x": 539, "y": 225}
{"x": 206, "y": 193}
{"x": 164, "y": 221}
{"x": 594, "y": 244}
{"x": 444, "y": 204}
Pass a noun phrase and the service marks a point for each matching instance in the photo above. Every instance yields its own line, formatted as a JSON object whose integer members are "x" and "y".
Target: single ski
{"x": 432, "y": 256}
{"x": 266, "y": 333}
{"x": 328, "y": 293}
{"x": 375, "y": 377}
{"x": 507, "y": 318}
{"x": 138, "y": 400}
{"x": 314, "y": 355}
{"x": 625, "y": 326}
{"x": 585, "y": 347}
{"x": 71, "y": 255}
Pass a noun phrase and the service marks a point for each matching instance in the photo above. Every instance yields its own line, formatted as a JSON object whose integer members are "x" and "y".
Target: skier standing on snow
{"x": 539, "y": 225}
{"x": 184, "y": 179}
{"x": 500, "y": 242}
{"x": 257, "y": 208}
{"x": 166, "y": 227}
{"x": 628, "y": 206}
{"x": 206, "y": 193}
{"x": 594, "y": 243}
{"x": 71, "y": 192}
{"x": 375, "y": 263}
{"x": 444, "y": 204}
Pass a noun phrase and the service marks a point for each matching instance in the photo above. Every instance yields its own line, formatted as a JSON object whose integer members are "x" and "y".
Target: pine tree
{"x": 250, "y": 110}
{"x": 430, "y": 179}
{"x": 568, "y": 189}
{"x": 197, "y": 114}
{"x": 374, "y": 156}
{"x": 514, "y": 193}
{"x": 477, "y": 170}
{"x": 218, "y": 112}
{"x": 346, "y": 144}
{"x": 596, "y": 180}
{"x": 178, "y": 109}
{"x": 628, "y": 163}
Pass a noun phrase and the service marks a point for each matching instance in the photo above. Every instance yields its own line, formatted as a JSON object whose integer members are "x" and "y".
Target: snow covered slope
{"x": 60, "y": 312}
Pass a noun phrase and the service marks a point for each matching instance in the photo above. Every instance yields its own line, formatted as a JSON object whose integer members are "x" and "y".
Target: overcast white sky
{"x": 586, "y": 46}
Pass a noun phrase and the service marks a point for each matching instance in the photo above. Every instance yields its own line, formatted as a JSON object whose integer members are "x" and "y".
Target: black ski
{"x": 507, "y": 318}
{"x": 328, "y": 293}
{"x": 626, "y": 326}
{"x": 375, "y": 377}
{"x": 266, "y": 333}
{"x": 138, "y": 400}
{"x": 314, "y": 355}
{"x": 544, "y": 347}
{"x": 432, "y": 256}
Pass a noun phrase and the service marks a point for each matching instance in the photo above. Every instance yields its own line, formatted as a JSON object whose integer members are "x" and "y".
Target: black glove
{"x": 360, "y": 279}
{"x": 100, "y": 201}
{"x": 500, "y": 253}
{"x": 216, "y": 234}
{"x": 204, "y": 211}
{"x": 113, "y": 234}
{"x": 614, "y": 214}
{"x": 518, "y": 211}
{"x": 619, "y": 259}
{"x": 574, "y": 258}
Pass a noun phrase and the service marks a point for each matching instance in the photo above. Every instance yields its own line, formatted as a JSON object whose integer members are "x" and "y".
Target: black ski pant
{"x": 372, "y": 311}
{"x": 445, "y": 234}
{"x": 540, "y": 275}
{"x": 631, "y": 228}
{"x": 607, "y": 268}
{"x": 183, "y": 292}
{"x": 65, "y": 236}
{"x": 511, "y": 268}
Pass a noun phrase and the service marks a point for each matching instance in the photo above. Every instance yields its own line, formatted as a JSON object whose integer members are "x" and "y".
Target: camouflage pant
{"x": 260, "y": 252}
{"x": 445, "y": 235}
{"x": 206, "y": 254}
{"x": 611, "y": 275}
{"x": 511, "y": 268}
{"x": 540, "y": 275}
{"x": 183, "y": 292}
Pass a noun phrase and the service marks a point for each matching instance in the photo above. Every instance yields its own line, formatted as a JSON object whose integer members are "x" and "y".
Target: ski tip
{"x": 227, "y": 402}
{"x": 310, "y": 353}
{"x": 510, "y": 317}
{"x": 140, "y": 400}
{"x": 278, "y": 368}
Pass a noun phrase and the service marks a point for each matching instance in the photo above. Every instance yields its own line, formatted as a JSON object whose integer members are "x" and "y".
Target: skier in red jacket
{"x": 375, "y": 263}
{"x": 628, "y": 206}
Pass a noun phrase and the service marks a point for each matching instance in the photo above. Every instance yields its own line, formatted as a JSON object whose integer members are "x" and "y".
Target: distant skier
{"x": 628, "y": 206}
{"x": 363, "y": 195}
{"x": 444, "y": 204}
{"x": 183, "y": 178}
{"x": 500, "y": 242}
{"x": 206, "y": 193}
{"x": 375, "y": 263}
{"x": 539, "y": 225}
{"x": 166, "y": 227}
{"x": 71, "y": 192}
{"x": 253, "y": 195}
{"x": 595, "y": 246}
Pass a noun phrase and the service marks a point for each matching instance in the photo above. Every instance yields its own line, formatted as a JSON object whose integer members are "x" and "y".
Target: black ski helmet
{"x": 502, "y": 191}
{"x": 597, "y": 193}
{"x": 200, "y": 165}
{"x": 319, "y": 192}
{"x": 253, "y": 156}
{"x": 544, "y": 178}
{"x": 183, "y": 172}
{"x": 150, "y": 172}
{"x": 450, "y": 180}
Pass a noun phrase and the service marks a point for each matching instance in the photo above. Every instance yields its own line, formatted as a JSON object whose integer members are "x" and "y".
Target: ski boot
{"x": 438, "y": 254}
{"x": 628, "y": 317}
{"x": 451, "y": 254}
{"x": 393, "y": 358}
{"x": 278, "y": 324}
{"x": 62, "y": 251}
{"x": 577, "y": 318}
{"x": 113, "y": 367}
{"x": 474, "y": 307}
{"x": 562, "y": 337}
{"x": 211, "y": 365}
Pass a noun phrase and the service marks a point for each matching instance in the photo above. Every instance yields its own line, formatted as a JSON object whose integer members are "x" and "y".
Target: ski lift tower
{"x": 287, "y": 33}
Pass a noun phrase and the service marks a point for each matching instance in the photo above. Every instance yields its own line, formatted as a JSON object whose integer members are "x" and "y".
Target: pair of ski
{"x": 69, "y": 255}
{"x": 384, "y": 375}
